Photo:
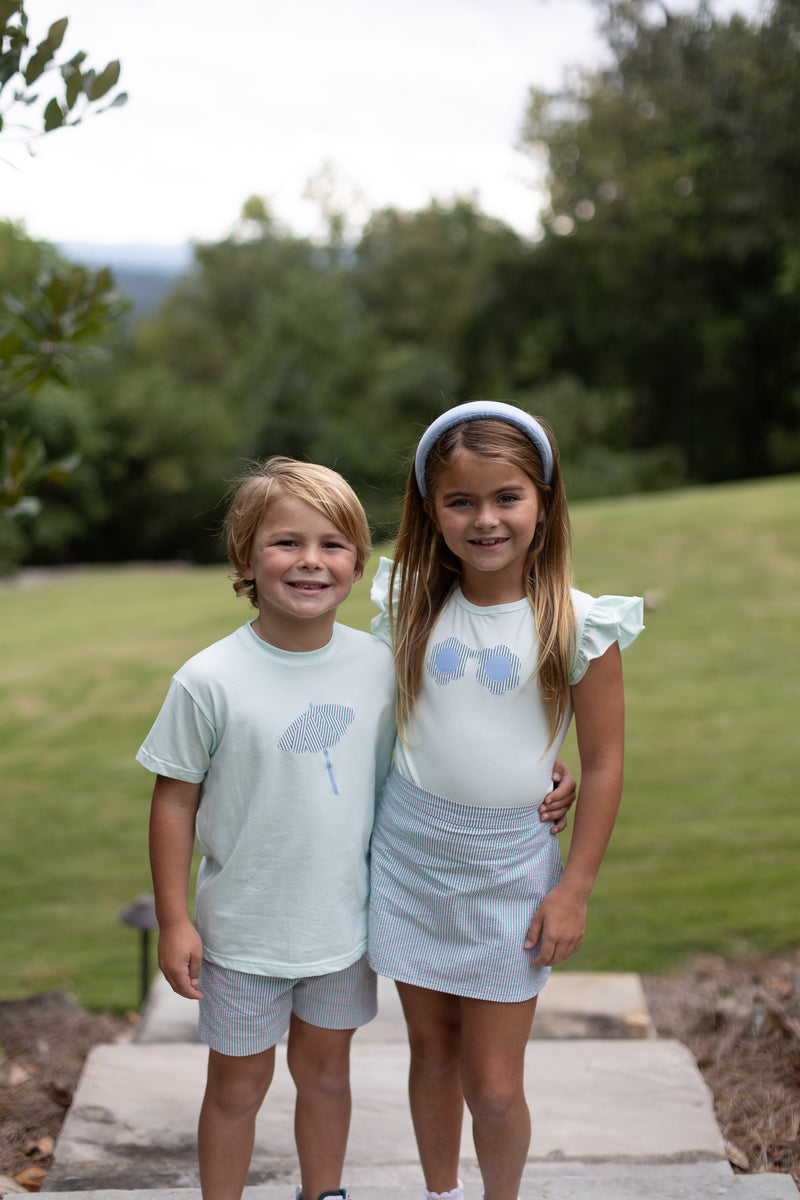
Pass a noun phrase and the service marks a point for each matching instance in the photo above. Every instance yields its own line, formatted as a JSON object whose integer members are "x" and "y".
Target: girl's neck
{"x": 489, "y": 588}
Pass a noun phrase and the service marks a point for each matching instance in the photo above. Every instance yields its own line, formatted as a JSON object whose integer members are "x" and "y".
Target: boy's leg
{"x": 494, "y": 1039}
{"x": 319, "y": 1062}
{"x": 434, "y": 1082}
{"x": 235, "y": 1089}
{"x": 326, "y": 1011}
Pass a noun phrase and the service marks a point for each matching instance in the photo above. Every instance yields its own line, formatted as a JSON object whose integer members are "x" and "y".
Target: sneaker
{"x": 341, "y": 1194}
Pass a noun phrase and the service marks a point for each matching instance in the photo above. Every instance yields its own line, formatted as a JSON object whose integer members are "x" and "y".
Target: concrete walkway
{"x": 617, "y": 1113}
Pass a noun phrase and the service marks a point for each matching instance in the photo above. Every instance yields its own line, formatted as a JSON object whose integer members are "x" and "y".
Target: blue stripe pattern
{"x": 246, "y": 1014}
{"x": 498, "y": 666}
{"x": 454, "y": 888}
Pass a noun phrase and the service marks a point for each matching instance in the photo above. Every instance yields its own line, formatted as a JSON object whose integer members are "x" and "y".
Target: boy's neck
{"x": 298, "y": 637}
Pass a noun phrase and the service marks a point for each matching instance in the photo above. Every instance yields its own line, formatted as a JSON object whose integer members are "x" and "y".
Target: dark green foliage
{"x": 656, "y": 324}
{"x": 54, "y": 319}
{"x": 671, "y": 244}
{"x": 53, "y": 315}
{"x": 77, "y": 91}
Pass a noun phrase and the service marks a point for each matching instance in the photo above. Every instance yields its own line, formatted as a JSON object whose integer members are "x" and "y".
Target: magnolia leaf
{"x": 14, "y": 304}
{"x": 59, "y": 471}
{"x": 8, "y": 8}
{"x": 38, "y": 62}
{"x": 75, "y": 63}
{"x": 105, "y": 81}
{"x": 73, "y": 89}
{"x": 55, "y": 35}
{"x": 53, "y": 116}
{"x": 28, "y": 506}
{"x": 25, "y": 457}
{"x": 10, "y": 345}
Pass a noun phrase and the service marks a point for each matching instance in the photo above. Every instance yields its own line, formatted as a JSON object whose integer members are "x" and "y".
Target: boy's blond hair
{"x": 324, "y": 489}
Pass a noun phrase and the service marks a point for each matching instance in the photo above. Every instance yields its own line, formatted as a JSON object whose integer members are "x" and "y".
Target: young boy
{"x": 271, "y": 748}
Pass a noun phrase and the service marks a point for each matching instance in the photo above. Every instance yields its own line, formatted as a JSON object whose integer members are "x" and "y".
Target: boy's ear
{"x": 245, "y": 570}
{"x": 358, "y": 573}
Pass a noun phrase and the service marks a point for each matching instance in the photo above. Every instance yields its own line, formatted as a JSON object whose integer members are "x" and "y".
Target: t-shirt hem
{"x": 287, "y": 970}
{"x": 170, "y": 770}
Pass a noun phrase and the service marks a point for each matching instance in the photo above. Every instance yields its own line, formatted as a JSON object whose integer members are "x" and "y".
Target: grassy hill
{"x": 704, "y": 857}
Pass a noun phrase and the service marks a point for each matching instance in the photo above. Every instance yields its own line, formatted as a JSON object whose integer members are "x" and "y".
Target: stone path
{"x": 615, "y": 1118}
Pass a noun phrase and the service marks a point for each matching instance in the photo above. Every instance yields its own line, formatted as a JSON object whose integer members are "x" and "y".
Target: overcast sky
{"x": 407, "y": 100}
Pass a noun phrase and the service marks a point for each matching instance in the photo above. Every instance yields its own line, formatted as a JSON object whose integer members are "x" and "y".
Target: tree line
{"x": 655, "y": 323}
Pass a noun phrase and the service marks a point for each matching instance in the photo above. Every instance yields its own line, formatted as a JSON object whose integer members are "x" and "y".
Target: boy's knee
{"x": 237, "y": 1087}
{"x": 237, "y": 1098}
{"x": 320, "y": 1062}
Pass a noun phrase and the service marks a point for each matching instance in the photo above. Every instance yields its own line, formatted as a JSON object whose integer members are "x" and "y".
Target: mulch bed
{"x": 43, "y": 1043}
{"x": 741, "y": 1021}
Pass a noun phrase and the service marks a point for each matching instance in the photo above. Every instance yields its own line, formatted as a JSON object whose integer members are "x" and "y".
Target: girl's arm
{"x": 172, "y": 815}
{"x": 598, "y": 700}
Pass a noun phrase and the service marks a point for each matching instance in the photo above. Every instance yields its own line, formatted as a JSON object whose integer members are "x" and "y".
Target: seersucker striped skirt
{"x": 454, "y": 887}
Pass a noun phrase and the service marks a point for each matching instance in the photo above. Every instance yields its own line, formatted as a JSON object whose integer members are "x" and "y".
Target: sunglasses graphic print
{"x": 497, "y": 668}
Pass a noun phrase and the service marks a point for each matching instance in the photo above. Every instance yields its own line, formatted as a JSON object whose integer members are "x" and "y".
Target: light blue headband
{"x": 482, "y": 410}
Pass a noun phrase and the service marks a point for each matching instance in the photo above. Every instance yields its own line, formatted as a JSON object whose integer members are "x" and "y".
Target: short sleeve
{"x": 182, "y": 740}
{"x": 601, "y": 621}
{"x": 379, "y": 595}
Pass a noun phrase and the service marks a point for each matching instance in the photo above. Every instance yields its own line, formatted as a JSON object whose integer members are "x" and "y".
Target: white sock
{"x": 456, "y": 1194}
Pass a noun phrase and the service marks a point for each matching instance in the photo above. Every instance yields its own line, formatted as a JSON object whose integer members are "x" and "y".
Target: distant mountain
{"x": 137, "y": 256}
{"x": 144, "y": 272}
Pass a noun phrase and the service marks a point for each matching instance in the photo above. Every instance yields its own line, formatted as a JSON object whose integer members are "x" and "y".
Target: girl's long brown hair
{"x": 425, "y": 570}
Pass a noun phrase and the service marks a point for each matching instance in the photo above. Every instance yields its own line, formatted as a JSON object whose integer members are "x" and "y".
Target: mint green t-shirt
{"x": 290, "y": 751}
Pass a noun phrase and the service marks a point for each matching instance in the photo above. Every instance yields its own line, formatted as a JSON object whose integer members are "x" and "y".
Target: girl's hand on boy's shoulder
{"x": 180, "y": 953}
{"x": 557, "y": 803}
{"x": 558, "y": 924}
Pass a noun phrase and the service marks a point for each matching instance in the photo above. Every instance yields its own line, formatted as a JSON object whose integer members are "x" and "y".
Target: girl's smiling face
{"x": 487, "y": 511}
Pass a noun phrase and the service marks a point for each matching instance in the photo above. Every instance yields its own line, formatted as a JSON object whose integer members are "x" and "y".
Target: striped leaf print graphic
{"x": 316, "y": 730}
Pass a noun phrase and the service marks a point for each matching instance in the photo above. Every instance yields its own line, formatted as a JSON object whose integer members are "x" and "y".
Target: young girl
{"x": 494, "y": 651}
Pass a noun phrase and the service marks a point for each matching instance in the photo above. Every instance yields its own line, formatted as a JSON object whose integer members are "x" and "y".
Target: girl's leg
{"x": 235, "y": 1089}
{"x": 494, "y": 1038}
{"x": 319, "y": 1062}
{"x": 434, "y": 1082}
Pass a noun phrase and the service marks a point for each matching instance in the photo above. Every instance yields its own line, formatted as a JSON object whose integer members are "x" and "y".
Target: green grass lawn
{"x": 705, "y": 854}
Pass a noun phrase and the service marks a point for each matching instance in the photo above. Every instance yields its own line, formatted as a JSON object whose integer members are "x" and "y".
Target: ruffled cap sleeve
{"x": 379, "y": 595}
{"x": 601, "y": 621}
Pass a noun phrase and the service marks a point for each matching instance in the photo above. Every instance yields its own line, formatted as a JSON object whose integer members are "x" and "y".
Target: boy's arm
{"x": 172, "y": 816}
{"x": 557, "y": 803}
{"x": 560, "y": 919}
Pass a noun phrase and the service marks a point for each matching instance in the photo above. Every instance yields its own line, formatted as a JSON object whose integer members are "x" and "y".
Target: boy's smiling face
{"x": 303, "y": 568}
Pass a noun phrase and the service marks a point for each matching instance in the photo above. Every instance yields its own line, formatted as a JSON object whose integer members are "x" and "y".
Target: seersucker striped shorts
{"x": 454, "y": 888}
{"x": 246, "y": 1014}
